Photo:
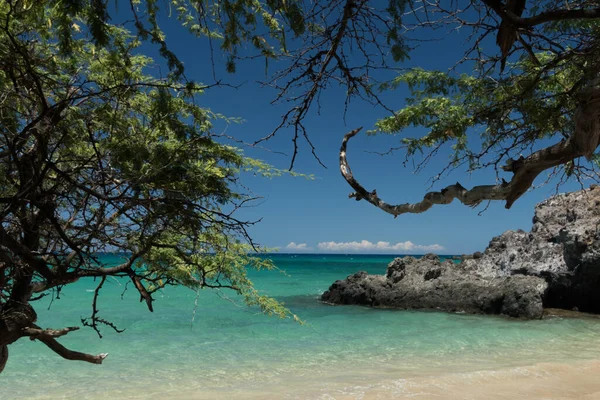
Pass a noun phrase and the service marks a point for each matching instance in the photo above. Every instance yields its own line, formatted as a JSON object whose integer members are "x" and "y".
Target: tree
{"x": 551, "y": 91}
{"x": 99, "y": 154}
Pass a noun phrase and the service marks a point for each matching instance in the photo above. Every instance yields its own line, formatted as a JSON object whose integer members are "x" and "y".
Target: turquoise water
{"x": 226, "y": 350}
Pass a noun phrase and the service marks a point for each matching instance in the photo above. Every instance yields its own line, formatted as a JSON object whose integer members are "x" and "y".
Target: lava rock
{"x": 556, "y": 265}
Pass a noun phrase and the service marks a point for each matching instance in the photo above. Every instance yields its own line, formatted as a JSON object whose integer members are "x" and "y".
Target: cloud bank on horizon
{"x": 365, "y": 246}
{"x": 297, "y": 246}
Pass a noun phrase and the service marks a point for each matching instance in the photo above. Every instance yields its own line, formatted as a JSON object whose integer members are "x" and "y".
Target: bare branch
{"x": 525, "y": 170}
{"x": 70, "y": 354}
{"x": 144, "y": 295}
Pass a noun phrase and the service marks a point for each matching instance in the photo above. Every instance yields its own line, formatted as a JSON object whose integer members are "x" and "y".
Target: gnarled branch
{"x": 70, "y": 354}
{"x": 547, "y": 16}
{"x": 36, "y": 332}
{"x": 144, "y": 295}
{"x": 525, "y": 170}
{"x": 47, "y": 336}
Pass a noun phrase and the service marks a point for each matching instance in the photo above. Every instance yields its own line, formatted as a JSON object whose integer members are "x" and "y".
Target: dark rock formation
{"x": 475, "y": 256}
{"x": 556, "y": 265}
{"x": 426, "y": 282}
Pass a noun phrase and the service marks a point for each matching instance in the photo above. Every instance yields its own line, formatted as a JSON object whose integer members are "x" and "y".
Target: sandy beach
{"x": 547, "y": 381}
{"x": 541, "y": 381}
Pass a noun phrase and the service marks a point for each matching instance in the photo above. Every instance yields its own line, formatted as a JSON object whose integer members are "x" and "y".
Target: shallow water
{"x": 226, "y": 350}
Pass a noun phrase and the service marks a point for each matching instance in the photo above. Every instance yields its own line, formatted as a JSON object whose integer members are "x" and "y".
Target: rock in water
{"x": 556, "y": 265}
{"x": 423, "y": 283}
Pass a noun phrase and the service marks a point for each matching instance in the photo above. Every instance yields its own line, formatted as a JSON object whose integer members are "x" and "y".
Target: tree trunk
{"x": 3, "y": 357}
{"x": 13, "y": 319}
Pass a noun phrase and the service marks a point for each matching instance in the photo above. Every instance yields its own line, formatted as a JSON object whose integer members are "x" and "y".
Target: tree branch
{"x": 144, "y": 295}
{"x": 70, "y": 354}
{"x": 36, "y": 332}
{"x": 547, "y": 16}
{"x": 525, "y": 170}
{"x": 19, "y": 249}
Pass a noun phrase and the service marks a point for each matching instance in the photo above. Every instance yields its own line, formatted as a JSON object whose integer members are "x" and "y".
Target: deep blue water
{"x": 224, "y": 349}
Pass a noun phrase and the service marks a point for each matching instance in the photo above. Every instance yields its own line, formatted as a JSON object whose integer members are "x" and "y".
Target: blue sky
{"x": 300, "y": 215}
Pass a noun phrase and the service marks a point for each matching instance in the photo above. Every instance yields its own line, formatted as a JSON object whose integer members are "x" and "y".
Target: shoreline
{"x": 547, "y": 380}
{"x": 342, "y": 353}
{"x": 479, "y": 378}
{"x": 568, "y": 380}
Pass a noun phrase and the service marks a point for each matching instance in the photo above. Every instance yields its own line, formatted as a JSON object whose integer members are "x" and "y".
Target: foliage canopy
{"x": 490, "y": 117}
{"x": 98, "y": 155}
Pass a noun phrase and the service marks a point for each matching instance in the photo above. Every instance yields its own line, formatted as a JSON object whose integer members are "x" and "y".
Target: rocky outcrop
{"x": 412, "y": 283}
{"x": 556, "y": 265}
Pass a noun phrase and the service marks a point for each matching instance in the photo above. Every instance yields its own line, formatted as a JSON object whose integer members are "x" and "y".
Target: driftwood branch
{"x": 525, "y": 170}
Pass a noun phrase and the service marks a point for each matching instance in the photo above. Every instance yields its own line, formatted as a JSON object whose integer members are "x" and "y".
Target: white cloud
{"x": 379, "y": 247}
{"x": 297, "y": 246}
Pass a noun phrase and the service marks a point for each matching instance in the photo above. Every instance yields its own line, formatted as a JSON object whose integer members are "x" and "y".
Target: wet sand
{"x": 555, "y": 381}
{"x": 542, "y": 381}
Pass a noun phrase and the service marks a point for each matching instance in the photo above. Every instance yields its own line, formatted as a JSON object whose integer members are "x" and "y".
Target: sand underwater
{"x": 224, "y": 350}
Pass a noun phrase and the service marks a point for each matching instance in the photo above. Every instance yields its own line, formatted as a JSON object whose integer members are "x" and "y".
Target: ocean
{"x": 209, "y": 345}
